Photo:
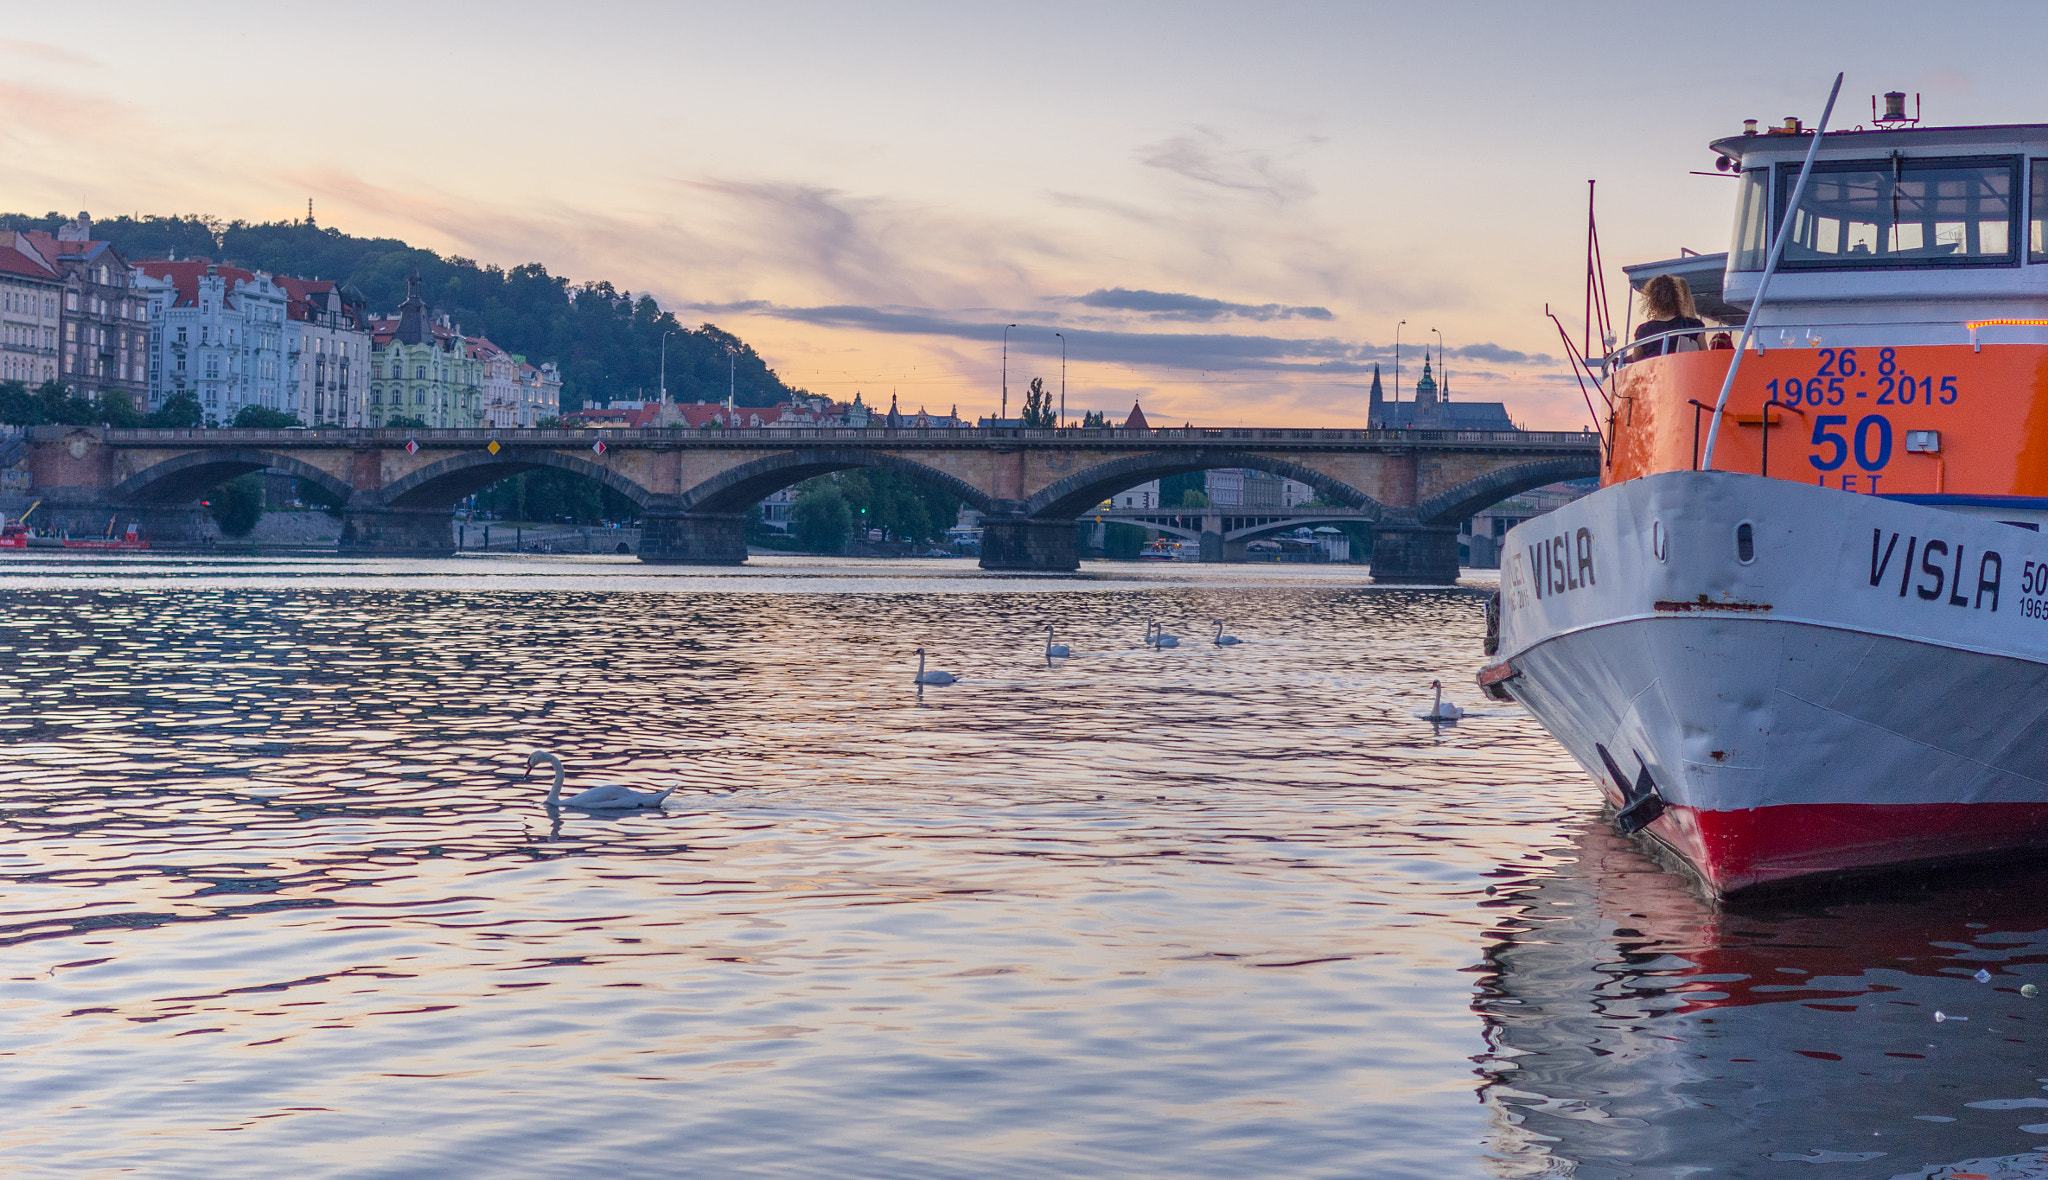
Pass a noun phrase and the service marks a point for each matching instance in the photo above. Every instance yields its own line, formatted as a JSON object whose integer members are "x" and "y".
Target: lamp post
{"x": 1397, "y": 360}
{"x": 664, "y": 362}
{"x": 1063, "y": 379}
{"x": 732, "y": 377}
{"x": 1005, "y": 411}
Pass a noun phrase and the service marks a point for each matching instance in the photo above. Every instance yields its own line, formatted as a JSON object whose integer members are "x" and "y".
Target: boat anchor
{"x": 1641, "y": 804}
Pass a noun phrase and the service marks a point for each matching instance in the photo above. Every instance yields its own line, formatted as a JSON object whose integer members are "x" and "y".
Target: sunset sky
{"x": 1226, "y": 208}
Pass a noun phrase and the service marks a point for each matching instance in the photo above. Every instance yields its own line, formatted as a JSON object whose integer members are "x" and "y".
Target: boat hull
{"x": 1826, "y": 707}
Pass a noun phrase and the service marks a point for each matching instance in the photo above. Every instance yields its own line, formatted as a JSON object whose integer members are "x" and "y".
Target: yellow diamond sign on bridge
{"x": 493, "y": 448}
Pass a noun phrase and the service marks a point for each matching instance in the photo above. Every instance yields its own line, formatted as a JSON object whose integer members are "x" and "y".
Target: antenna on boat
{"x": 1763, "y": 285}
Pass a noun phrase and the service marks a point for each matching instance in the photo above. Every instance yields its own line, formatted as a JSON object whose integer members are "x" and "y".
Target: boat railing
{"x": 1809, "y": 335}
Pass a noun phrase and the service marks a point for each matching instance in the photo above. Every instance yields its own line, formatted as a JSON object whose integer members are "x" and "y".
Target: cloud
{"x": 1495, "y": 354}
{"x": 1167, "y": 305}
{"x": 1206, "y": 351}
{"x": 1211, "y": 352}
{"x": 41, "y": 51}
{"x": 1202, "y": 157}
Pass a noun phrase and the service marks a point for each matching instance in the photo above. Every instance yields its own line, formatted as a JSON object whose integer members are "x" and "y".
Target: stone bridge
{"x": 398, "y": 487}
{"x": 1224, "y": 531}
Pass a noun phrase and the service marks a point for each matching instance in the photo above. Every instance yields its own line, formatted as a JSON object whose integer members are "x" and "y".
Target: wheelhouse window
{"x": 1752, "y": 221}
{"x": 2037, "y": 215}
{"x": 1901, "y": 212}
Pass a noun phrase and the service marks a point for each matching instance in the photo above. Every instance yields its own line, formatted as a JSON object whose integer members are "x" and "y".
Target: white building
{"x": 31, "y": 291}
{"x": 327, "y": 351}
{"x": 515, "y": 393}
{"x": 216, "y": 332}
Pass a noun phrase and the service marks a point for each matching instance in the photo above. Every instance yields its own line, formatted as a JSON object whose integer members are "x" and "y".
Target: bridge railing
{"x": 785, "y": 435}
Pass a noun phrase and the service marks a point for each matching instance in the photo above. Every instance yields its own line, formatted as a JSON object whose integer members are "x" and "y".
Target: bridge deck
{"x": 1240, "y": 438}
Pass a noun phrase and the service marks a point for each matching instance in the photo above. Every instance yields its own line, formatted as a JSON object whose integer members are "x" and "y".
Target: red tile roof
{"x": 185, "y": 274}
{"x": 1137, "y": 419}
{"x": 19, "y": 257}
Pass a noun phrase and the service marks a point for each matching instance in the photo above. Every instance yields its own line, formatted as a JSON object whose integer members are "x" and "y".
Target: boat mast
{"x": 1764, "y": 284}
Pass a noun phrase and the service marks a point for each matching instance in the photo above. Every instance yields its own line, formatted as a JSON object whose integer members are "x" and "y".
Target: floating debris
{"x": 2029, "y": 991}
{"x": 1940, "y": 1016}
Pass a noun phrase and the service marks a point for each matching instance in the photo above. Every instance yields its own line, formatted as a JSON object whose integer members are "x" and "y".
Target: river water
{"x": 276, "y": 901}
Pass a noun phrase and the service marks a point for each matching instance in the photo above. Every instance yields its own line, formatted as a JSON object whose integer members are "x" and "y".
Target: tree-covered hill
{"x": 607, "y": 342}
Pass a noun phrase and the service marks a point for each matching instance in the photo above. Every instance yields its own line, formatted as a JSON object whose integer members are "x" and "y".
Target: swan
{"x": 1442, "y": 710}
{"x": 1223, "y": 640}
{"x": 1157, "y": 636}
{"x": 1054, "y": 650}
{"x": 603, "y": 797}
{"x": 932, "y": 677}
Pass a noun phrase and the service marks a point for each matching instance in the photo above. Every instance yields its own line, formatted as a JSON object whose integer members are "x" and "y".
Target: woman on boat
{"x": 1667, "y": 306}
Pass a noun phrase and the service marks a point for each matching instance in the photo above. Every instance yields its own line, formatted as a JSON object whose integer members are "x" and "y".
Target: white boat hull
{"x": 1868, "y": 690}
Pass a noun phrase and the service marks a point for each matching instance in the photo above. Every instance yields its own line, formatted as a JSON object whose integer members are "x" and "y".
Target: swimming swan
{"x": 932, "y": 677}
{"x": 1223, "y": 640}
{"x": 604, "y": 797}
{"x": 1054, "y": 650}
{"x": 1442, "y": 710}
{"x": 1156, "y": 636}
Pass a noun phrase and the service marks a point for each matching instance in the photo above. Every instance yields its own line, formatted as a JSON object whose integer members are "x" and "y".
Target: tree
{"x": 405, "y": 423}
{"x": 1174, "y": 490}
{"x": 50, "y": 404}
{"x": 180, "y": 411}
{"x": 902, "y": 507}
{"x": 116, "y": 409}
{"x": 552, "y": 494}
{"x": 1038, "y": 408}
{"x": 236, "y": 505}
{"x": 259, "y": 418}
{"x": 1094, "y": 418}
{"x": 1122, "y": 541}
{"x": 820, "y": 518}
{"x": 19, "y": 407}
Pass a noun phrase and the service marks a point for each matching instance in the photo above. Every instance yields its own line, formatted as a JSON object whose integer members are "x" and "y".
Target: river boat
{"x": 134, "y": 538}
{"x": 1787, "y": 637}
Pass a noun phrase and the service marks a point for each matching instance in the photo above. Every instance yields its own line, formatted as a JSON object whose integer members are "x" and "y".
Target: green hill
{"x": 607, "y": 341}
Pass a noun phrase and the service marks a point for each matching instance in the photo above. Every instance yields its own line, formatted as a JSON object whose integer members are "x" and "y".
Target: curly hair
{"x": 1668, "y": 297}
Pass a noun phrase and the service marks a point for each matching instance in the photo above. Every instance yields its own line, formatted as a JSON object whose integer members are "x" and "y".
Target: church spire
{"x": 1375, "y": 415}
{"x": 413, "y": 324}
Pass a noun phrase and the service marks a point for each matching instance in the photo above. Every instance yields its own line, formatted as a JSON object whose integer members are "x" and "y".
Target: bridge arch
{"x": 1452, "y": 505}
{"x": 749, "y": 483}
{"x": 1076, "y": 494}
{"x": 189, "y": 476}
{"x": 442, "y": 484}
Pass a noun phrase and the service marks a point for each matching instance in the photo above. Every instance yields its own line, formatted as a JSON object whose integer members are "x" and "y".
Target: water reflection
{"x": 270, "y": 881}
{"x": 1638, "y": 1032}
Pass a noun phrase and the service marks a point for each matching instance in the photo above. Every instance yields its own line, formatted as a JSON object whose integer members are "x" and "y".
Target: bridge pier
{"x": 1414, "y": 553}
{"x": 693, "y": 538}
{"x": 397, "y": 532}
{"x": 1020, "y": 543}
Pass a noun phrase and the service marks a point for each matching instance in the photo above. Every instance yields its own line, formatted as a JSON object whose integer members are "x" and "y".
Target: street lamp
{"x": 1397, "y": 360}
{"x": 664, "y": 362}
{"x": 1005, "y": 411}
{"x": 1063, "y": 379}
